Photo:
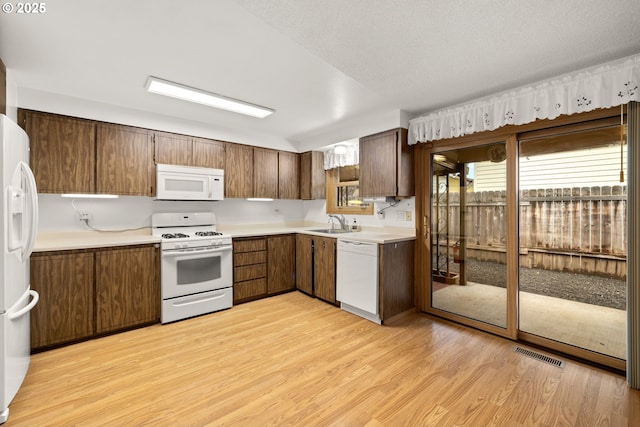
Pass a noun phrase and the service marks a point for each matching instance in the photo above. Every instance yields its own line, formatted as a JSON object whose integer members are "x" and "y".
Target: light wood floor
{"x": 293, "y": 360}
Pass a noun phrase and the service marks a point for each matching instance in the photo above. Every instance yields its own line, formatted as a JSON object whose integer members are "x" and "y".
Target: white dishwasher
{"x": 357, "y": 278}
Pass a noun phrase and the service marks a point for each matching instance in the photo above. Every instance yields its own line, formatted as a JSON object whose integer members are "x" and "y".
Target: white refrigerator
{"x": 19, "y": 217}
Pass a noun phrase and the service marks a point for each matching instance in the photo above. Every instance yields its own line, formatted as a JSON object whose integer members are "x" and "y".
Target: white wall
{"x": 12, "y": 96}
{"x": 353, "y": 129}
{"x": 315, "y": 211}
{"x": 58, "y": 213}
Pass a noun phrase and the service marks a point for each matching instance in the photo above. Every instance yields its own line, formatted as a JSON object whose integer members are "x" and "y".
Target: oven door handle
{"x": 182, "y": 252}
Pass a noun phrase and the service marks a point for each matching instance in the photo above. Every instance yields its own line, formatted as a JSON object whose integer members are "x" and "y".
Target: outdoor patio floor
{"x": 596, "y": 328}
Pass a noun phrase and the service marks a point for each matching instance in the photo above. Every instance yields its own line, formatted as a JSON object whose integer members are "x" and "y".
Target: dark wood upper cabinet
{"x": 312, "y": 175}
{"x": 238, "y": 174}
{"x": 173, "y": 149}
{"x": 124, "y": 161}
{"x": 386, "y": 165}
{"x": 265, "y": 173}
{"x": 208, "y": 153}
{"x": 71, "y": 155}
{"x": 288, "y": 175}
{"x": 3, "y": 88}
{"x": 62, "y": 152}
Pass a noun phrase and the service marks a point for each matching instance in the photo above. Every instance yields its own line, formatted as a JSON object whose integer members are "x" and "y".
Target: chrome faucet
{"x": 341, "y": 220}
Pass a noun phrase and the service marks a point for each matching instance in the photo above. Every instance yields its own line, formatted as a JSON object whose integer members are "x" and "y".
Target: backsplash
{"x": 126, "y": 212}
{"x": 315, "y": 210}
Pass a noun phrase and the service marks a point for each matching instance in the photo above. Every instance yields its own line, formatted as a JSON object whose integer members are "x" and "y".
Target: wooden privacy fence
{"x": 582, "y": 230}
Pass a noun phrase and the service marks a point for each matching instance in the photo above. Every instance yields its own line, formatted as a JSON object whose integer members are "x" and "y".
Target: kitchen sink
{"x": 331, "y": 231}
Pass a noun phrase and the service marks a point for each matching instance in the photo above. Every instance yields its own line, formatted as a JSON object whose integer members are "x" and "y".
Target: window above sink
{"x": 343, "y": 192}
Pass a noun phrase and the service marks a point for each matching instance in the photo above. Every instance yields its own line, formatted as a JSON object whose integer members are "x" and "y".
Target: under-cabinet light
{"x": 89, "y": 196}
{"x": 186, "y": 93}
{"x": 259, "y": 199}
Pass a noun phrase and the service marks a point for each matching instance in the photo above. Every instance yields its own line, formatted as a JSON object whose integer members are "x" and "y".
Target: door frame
{"x": 423, "y": 267}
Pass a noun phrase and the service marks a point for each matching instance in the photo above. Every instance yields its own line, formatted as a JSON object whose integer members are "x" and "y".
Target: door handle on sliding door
{"x": 425, "y": 227}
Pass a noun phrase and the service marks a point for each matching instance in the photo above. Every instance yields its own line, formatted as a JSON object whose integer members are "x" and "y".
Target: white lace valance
{"x": 350, "y": 157}
{"x": 603, "y": 86}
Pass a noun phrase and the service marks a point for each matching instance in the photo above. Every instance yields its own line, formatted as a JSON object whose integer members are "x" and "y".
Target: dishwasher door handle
{"x": 349, "y": 242}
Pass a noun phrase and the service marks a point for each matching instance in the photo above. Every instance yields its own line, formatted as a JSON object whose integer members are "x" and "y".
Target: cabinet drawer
{"x": 249, "y": 272}
{"x": 251, "y": 245}
{"x": 250, "y": 289}
{"x": 249, "y": 258}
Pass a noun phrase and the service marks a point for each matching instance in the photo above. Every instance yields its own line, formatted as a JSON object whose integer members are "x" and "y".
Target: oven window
{"x": 192, "y": 271}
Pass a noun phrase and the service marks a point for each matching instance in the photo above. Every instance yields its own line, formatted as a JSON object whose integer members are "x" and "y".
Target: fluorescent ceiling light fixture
{"x": 259, "y": 199}
{"x": 89, "y": 196}
{"x": 186, "y": 93}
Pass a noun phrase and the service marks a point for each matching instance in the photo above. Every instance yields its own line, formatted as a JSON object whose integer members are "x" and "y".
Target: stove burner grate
{"x": 174, "y": 235}
{"x": 208, "y": 233}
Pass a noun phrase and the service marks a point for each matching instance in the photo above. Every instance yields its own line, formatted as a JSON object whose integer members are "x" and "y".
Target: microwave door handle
{"x": 210, "y": 187}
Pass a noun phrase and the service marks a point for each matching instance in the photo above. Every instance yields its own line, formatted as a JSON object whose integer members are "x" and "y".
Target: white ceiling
{"x": 321, "y": 64}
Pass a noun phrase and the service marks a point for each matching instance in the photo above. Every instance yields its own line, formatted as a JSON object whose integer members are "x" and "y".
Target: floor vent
{"x": 541, "y": 357}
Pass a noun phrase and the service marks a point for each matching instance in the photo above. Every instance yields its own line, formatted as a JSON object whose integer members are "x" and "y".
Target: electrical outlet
{"x": 407, "y": 216}
{"x": 83, "y": 216}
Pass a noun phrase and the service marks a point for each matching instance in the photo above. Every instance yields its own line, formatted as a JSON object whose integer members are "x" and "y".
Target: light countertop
{"x": 68, "y": 240}
{"x": 368, "y": 234}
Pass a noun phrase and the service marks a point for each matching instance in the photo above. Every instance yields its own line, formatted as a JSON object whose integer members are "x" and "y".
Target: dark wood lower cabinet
{"x": 84, "y": 293}
{"x": 316, "y": 266}
{"x": 65, "y": 312}
{"x": 281, "y": 268}
{"x": 249, "y": 269}
{"x": 396, "y": 278}
{"x": 324, "y": 268}
{"x": 89, "y": 292}
{"x": 127, "y": 288}
{"x": 304, "y": 263}
{"x": 263, "y": 266}
{"x": 316, "y": 272}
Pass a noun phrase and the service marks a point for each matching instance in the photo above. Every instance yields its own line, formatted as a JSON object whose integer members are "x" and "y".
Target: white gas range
{"x": 196, "y": 265}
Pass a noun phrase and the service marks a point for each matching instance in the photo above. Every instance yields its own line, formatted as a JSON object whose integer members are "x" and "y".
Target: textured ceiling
{"x": 320, "y": 64}
{"x": 421, "y": 54}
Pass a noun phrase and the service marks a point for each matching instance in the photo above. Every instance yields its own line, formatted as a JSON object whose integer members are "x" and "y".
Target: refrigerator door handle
{"x": 35, "y": 297}
{"x": 32, "y": 190}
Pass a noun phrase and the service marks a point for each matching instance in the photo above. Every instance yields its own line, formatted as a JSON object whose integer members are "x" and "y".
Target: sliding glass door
{"x": 573, "y": 239}
{"x": 527, "y": 237}
{"x": 469, "y": 233}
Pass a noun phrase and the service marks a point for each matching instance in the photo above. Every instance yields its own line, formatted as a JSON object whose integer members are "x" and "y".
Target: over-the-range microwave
{"x": 189, "y": 183}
